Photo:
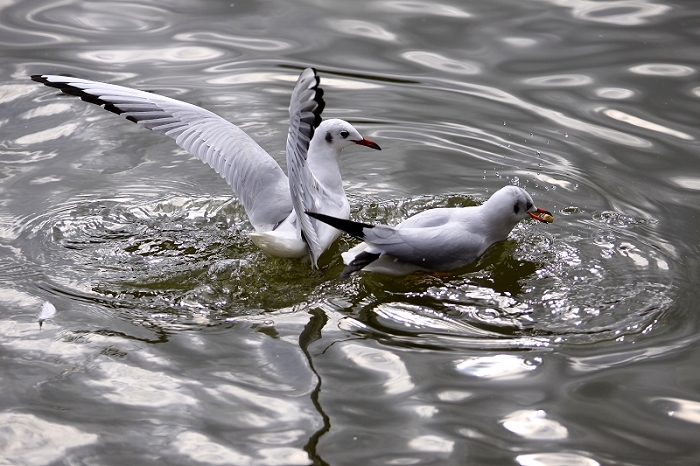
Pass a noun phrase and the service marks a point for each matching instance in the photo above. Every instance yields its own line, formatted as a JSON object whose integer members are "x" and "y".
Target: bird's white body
{"x": 438, "y": 239}
{"x": 275, "y": 204}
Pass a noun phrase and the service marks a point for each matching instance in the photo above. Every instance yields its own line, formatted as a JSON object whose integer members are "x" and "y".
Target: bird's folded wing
{"x": 305, "y": 110}
{"x": 252, "y": 173}
{"x": 426, "y": 247}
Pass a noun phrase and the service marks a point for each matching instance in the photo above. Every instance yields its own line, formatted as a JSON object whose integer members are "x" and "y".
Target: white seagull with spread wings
{"x": 440, "y": 239}
{"x": 275, "y": 204}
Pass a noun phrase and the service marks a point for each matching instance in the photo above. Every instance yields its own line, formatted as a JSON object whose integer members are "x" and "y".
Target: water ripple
{"x": 498, "y": 95}
{"x": 501, "y": 366}
{"x": 535, "y": 291}
{"x": 555, "y": 459}
{"x": 150, "y": 55}
{"x": 238, "y": 42}
{"x": 366, "y": 29}
{"x": 663, "y": 69}
{"x": 63, "y": 21}
{"x": 28, "y": 439}
{"x": 534, "y": 425}
{"x": 389, "y": 365}
{"x": 618, "y": 12}
{"x": 560, "y": 80}
{"x": 686, "y": 410}
{"x": 162, "y": 255}
{"x": 615, "y": 93}
{"x": 421, "y": 8}
{"x": 442, "y": 63}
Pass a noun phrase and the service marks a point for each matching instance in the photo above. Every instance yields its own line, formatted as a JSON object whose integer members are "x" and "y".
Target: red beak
{"x": 368, "y": 143}
{"x": 544, "y": 216}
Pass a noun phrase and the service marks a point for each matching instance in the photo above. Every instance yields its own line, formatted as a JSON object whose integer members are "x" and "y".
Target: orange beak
{"x": 542, "y": 216}
{"x": 366, "y": 142}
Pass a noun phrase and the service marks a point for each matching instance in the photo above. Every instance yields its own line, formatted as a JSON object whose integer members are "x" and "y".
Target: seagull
{"x": 275, "y": 204}
{"x": 441, "y": 239}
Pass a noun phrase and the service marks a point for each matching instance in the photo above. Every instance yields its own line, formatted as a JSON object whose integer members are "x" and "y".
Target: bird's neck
{"x": 493, "y": 229}
{"x": 323, "y": 163}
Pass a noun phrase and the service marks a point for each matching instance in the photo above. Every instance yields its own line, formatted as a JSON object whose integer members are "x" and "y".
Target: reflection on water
{"x": 572, "y": 343}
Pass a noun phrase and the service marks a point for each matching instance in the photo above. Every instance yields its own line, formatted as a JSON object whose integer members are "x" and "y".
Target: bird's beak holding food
{"x": 366, "y": 142}
{"x": 542, "y": 216}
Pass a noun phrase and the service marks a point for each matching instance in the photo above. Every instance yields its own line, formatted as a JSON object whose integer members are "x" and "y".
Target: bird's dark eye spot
{"x": 329, "y": 138}
{"x": 516, "y": 208}
{"x": 529, "y": 206}
{"x": 344, "y": 134}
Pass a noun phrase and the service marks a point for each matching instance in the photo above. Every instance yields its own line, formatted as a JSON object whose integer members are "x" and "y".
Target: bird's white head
{"x": 515, "y": 204}
{"x": 338, "y": 134}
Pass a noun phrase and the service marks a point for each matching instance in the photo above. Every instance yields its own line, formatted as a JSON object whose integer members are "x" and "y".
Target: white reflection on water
{"x": 386, "y": 363}
{"x": 622, "y": 357}
{"x": 29, "y": 440}
{"x": 150, "y": 55}
{"x": 503, "y": 366}
{"x": 82, "y": 17}
{"x": 519, "y": 41}
{"x": 555, "y": 459}
{"x": 636, "y": 121}
{"x": 133, "y": 386}
{"x": 425, "y": 8}
{"x": 420, "y": 319}
{"x": 454, "y": 395}
{"x": 46, "y": 110}
{"x": 237, "y": 42}
{"x": 678, "y": 408}
{"x": 498, "y": 95}
{"x": 533, "y": 424}
{"x": 282, "y": 456}
{"x": 614, "y": 93}
{"x": 10, "y": 92}
{"x": 619, "y": 12}
{"x": 432, "y": 443}
{"x": 48, "y": 134}
{"x": 687, "y": 182}
{"x": 258, "y": 410}
{"x": 442, "y": 63}
{"x": 359, "y": 28}
{"x": 663, "y": 69}
{"x": 560, "y": 80}
{"x": 201, "y": 449}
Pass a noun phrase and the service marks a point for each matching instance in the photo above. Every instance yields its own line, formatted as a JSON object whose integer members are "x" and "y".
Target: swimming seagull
{"x": 440, "y": 239}
{"x": 275, "y": 204}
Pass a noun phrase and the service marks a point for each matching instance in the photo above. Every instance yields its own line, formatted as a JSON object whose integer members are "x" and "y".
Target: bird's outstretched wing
{"x": 305, "y": 110}
{"x": 252, "y": 173}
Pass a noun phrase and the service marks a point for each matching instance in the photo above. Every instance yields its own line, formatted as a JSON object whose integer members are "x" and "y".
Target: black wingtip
{"x": 321, "y": 105}
{"x": 355, "y": 229}
{"x": 69, "y": 89}
{"x": 318, "y": 98}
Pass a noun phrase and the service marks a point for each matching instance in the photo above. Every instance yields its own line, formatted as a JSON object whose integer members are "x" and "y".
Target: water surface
{"x": 177, "y": 341}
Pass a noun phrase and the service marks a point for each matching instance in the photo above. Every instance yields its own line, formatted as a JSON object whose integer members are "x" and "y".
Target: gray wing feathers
{"x": 254, "y": 176}
{"x": 426, "y": 247}
{"x": 305, "y": 109}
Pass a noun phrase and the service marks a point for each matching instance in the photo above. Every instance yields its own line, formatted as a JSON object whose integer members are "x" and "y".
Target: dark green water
{"x": 176, "y": 341}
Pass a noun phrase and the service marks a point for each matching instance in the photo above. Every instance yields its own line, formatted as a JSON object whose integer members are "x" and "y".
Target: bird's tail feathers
{"x": 360, "y": 261}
